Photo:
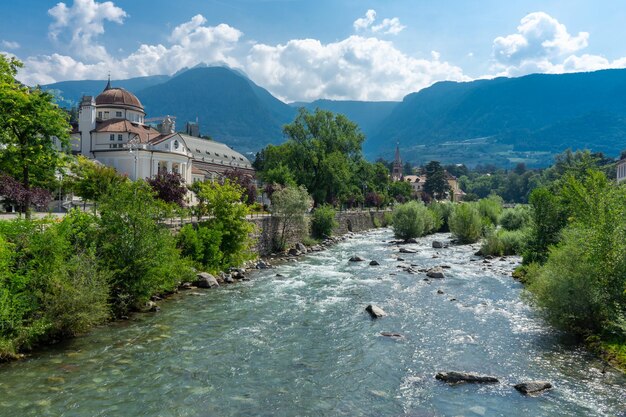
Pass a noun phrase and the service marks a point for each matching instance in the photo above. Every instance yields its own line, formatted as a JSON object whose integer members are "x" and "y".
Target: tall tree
{"x": 32, "y": 130}
{"x": 436, "y": 184}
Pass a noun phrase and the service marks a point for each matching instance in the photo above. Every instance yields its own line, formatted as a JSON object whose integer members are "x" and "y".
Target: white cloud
{"x": 192, "y": 43}
{"x": 388, "y": 26}
{"x": 543, "y": 44}
{"x": 354, "y": 68}
{"x": 10, "y": 44}
{"x": 84, "y": 21}
{"x": 363, "y": 23}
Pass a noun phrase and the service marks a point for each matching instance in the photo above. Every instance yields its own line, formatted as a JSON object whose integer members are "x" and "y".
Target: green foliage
{"x": 442, "y": 211}
{"x": 503, "y": 242}
{"x": 490, "y": 209}
{"x": 29, "y": 124}
{"x": 323, "y": 154}
{"x": 581, "y": 285}
{"x": 227, "y": 222}
{"x": 202, "y": 245}
{"x": 140, "y": 254}
{"x": 401, "y": 191}
{"x": 436, "y": 184}
{"x": 387, "y": 219}
{"x": 92, "y": 180}
{"x": 465, "y": 223}
{"x": 515, "y": 218}
{"x": 411, "y": 220}
{"x": 290, "y": 205}
{"x": 323, "y": 222}
{"x": 50, "y": 282}
{"x": 548, "y": 218}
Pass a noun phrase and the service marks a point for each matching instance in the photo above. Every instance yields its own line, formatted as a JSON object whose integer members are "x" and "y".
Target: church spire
{"x": 397, "y": 159}
{"x": 108, "y": 86}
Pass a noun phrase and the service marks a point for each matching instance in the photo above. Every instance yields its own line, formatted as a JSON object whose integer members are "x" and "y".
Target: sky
{"x": 303, "y": 50}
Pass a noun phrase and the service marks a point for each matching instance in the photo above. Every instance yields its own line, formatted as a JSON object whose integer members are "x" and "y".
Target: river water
{"x": 302, "y": 345}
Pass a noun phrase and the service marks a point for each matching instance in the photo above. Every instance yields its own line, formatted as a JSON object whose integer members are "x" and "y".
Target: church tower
{"x": 396, "y": 172}
{"x": 86, "y": 123}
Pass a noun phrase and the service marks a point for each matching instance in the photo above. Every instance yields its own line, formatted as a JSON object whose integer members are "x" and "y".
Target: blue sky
{"x": 304, "y": 50}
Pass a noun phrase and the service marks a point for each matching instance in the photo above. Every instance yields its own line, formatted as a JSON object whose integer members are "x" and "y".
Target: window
{"x": 99, "y": 115}
{"x": 106, "y": 114}
{"x": 119, "y": 137}
{"x": 118, "y": 114}
{"x": 111, "y": 136}
{"x": 162, "y": 169}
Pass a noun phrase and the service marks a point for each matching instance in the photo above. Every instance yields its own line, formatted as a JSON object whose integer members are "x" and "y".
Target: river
{"x": 302, "y": 345}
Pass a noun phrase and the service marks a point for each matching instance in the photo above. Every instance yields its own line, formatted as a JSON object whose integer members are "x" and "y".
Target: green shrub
{"x": 201, "y": 244}
{"x": 548, "y": 217}
{"x": 442, "y": 211}
{"x": 140, "y": 253}
{"x": 503, "y": 242}
{"x": 411, "y": 220}
{"x": 490, "y": 208}
{"x": 387, "y": 219}
{"x": 515, "y": 218}
{"x": 323, "y": 222}
{"x": 466, "y": 223}
{"x": 377, "y": 223}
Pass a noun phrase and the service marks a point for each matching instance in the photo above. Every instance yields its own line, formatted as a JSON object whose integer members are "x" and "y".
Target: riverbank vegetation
{"x": 60, "y": 277}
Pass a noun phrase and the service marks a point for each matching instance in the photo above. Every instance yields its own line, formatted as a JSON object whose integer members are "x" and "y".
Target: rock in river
{"x": 374, "y": 263}
{"x": 460, "y": 377}
{"x": 375, "y": 311}
{"x": 356, "y": 258}
{"x": 405, "y": 250}
{"x": 206, "y": 280}
{"x": 435, "y": 272}
{"x": 533, "y": 387}
{"x": 437, "y": 244}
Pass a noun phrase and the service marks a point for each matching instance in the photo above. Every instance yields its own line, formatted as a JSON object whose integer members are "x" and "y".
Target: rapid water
{"x": 302, "y": 345}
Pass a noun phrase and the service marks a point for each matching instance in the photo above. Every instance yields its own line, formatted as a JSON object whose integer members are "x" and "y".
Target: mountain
{"x": 230, "y": 108}
{"x": 367, "y": 114}
{"x": 68, "y": 93}
{"x": 508, "y": 120}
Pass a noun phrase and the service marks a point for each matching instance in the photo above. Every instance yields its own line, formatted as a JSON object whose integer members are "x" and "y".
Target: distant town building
{"x": 417, "y": 183}
{"x": 396, "y": 170}
{"x": 113, "y": 130}
{"x": 193, "y": 129}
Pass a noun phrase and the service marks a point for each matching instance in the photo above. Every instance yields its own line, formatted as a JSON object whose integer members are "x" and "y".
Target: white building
{"x": 112, "y": 129}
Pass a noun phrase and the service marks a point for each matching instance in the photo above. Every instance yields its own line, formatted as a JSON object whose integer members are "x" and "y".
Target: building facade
{"x": 113, "y": 130}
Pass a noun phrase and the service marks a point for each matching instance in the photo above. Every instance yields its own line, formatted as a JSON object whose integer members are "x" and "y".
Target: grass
{"x": 611, "y": 349}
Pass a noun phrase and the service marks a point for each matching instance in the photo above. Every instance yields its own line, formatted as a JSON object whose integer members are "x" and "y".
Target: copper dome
{"x": 118, "y": 97}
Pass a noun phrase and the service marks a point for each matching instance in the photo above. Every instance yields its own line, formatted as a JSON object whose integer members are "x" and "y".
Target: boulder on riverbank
{"x": 356, "y": 258}
{"x": 206, "y": 280}
{"x": 436, "y": 272}
{"x": 301, "y": 247}
{"x": 532, "y": 387}
{"x": 462, "y": 377}
{"x": 375, "y": 311}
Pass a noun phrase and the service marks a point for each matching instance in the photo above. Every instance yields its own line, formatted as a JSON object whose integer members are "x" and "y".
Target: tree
{"x": 323, "y": 222}
{"x": 14, "y": 192}
{"x": 290, "y": 204}
{"x": 436, "y": 184}
{"x": 245, "y": 181}
{"x": 465, "y": 223}
{"x": 411, "y": 220}
{"x": 30, "y": 123}
{"x": 401, "y": 191}
{"x": 227, "y": 215}
{"x": 92, "y": 180}
{"x": 321, "y": 152}
{"x": 169, "y": 187}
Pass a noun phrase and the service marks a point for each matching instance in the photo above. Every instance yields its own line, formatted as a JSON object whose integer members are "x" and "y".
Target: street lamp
{"x": 135, "y": 144}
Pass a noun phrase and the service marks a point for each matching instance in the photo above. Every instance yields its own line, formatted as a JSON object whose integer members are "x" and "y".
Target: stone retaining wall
{"x": 347, "y": 221}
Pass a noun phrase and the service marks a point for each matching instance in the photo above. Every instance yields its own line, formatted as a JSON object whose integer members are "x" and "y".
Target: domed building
{"x": 113, "y": 129}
